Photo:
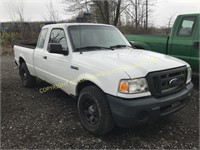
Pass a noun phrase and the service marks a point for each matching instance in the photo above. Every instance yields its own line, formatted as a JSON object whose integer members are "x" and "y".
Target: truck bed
{"x": 29, "y": 45}
{"x": 25, "y": 52}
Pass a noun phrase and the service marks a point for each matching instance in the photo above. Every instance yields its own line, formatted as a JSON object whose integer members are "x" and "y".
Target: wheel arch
{"x": 84, "y": 83}
{"x": 21, "y": 60}
{"x": 30, "y": 67}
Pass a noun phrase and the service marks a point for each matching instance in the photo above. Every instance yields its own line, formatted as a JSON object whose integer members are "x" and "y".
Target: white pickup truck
{"x": 113, "y": 82}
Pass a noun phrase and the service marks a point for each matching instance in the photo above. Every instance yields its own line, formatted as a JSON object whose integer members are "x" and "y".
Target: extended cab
{"x": 183, "y": 42}
{"x": 113, "y": 82}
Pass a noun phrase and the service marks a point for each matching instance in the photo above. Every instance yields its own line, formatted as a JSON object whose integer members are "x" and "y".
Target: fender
{"x": 86, "y": 77}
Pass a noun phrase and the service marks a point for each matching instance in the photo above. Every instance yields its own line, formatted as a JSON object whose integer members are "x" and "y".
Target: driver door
{"x": 58, "y": 64}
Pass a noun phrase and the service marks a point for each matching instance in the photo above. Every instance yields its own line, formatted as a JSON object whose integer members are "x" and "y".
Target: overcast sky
{"x": 36, "y": 10}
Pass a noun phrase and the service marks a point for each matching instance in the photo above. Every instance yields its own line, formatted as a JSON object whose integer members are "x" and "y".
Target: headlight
{"x": 189, "y": 74}
{"x": 133, "y": 86}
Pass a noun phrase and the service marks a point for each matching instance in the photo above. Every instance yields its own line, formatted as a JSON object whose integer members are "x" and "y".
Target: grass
{"x": 6, "y": 50}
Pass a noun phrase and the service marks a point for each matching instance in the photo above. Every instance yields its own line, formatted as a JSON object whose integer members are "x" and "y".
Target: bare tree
{"x": 136, "y": 12}
{"x": 17, "y": 11}
{"x": 20, "y": 11}
{"x": 147, "y": 17}
{"x": 140, "y": 11}
{"x": 117, "y": 13}
{"x": 104, "y": 11}
{"x": 110, "y": 11}
{"x": 75, "y": 6}
{"x": 53, "y": 15}
{"x": 169, "y": 24}
{"x": 12, "y": 12}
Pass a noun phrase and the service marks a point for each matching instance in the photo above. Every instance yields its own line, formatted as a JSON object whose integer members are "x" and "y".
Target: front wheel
{"x": 94, "y": 111}
{"x": 27, "y": 79}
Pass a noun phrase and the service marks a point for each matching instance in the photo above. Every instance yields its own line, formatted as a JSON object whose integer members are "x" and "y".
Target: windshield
{"x": 85, "y": 36}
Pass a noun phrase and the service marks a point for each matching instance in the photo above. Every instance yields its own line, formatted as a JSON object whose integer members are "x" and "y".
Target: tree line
{"x": 136, "y": 13}
{"x": 130, "y": 12}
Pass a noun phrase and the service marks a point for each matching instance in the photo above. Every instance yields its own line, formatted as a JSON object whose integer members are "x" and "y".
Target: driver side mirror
{"x": 57, "y": 48}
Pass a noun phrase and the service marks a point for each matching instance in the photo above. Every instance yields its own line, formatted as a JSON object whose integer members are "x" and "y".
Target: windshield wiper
{"x": 93, "y": 48}
{"x": 120, "y": 46}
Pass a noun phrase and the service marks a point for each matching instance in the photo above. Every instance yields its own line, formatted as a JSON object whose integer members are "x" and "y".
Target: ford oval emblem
{"x": 173, "y": 82}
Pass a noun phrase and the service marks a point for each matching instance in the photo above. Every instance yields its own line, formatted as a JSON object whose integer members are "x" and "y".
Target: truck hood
{"x": 135, "y": 63}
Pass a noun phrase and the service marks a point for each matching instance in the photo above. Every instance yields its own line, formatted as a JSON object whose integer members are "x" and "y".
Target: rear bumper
{"x": 129, "y": 112}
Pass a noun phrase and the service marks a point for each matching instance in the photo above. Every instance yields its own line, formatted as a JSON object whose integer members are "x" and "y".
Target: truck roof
{"x": 72, "y": 24}
{"x": 192, "y": 14}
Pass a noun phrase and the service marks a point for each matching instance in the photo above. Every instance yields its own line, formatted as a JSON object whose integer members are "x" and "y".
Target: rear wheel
{"x": 94, "y": 111}
{"x": 27, "y": 79}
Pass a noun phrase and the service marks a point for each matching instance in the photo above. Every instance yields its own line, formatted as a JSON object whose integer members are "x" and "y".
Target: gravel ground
{"x": 33, "y": 120}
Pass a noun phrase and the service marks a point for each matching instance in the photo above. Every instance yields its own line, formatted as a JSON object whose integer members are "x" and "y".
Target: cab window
{"x": 186, "y": 27}
{"x": 42, "y": 37}
{"x": 58, "y": 36}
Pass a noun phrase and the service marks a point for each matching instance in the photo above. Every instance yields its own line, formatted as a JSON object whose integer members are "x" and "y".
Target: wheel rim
{"x": 90, "y": 111}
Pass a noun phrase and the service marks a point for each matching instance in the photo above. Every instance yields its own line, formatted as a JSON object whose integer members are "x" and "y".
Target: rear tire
{"x": 94, "y": 111}
{"x": 27, "y": 79}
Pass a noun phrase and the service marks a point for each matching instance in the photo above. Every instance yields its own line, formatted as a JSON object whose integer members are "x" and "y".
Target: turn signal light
{"x": 123, "y": 87}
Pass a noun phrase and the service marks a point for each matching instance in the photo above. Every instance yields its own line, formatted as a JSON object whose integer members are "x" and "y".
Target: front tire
{"x": 27, "y": 79}
{"x": 94, "y": 111}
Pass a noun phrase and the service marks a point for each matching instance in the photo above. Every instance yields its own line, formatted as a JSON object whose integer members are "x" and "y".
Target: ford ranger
{"x": 114, "y": 83}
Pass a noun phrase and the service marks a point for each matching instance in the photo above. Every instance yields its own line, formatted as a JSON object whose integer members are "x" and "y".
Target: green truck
{"x": 183, "y": 42}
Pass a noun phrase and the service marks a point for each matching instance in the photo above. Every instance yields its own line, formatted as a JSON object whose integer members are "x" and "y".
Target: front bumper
{"x": 129, "y": 112}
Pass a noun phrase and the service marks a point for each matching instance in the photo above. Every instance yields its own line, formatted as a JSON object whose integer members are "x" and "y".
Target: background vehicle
{"x": 114, "y": 83}
{"x": 183, "y": 42}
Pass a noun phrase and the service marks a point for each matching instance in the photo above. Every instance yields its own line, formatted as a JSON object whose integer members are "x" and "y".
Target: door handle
{"x": 74, "y": 67}
{"x": 196, "y": 45}
{"x": 44, "y": 57}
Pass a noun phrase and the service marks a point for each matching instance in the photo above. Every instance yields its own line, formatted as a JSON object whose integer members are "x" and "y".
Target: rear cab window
{"x": 42, "y": 38}
{"x": 187, "y": 25}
